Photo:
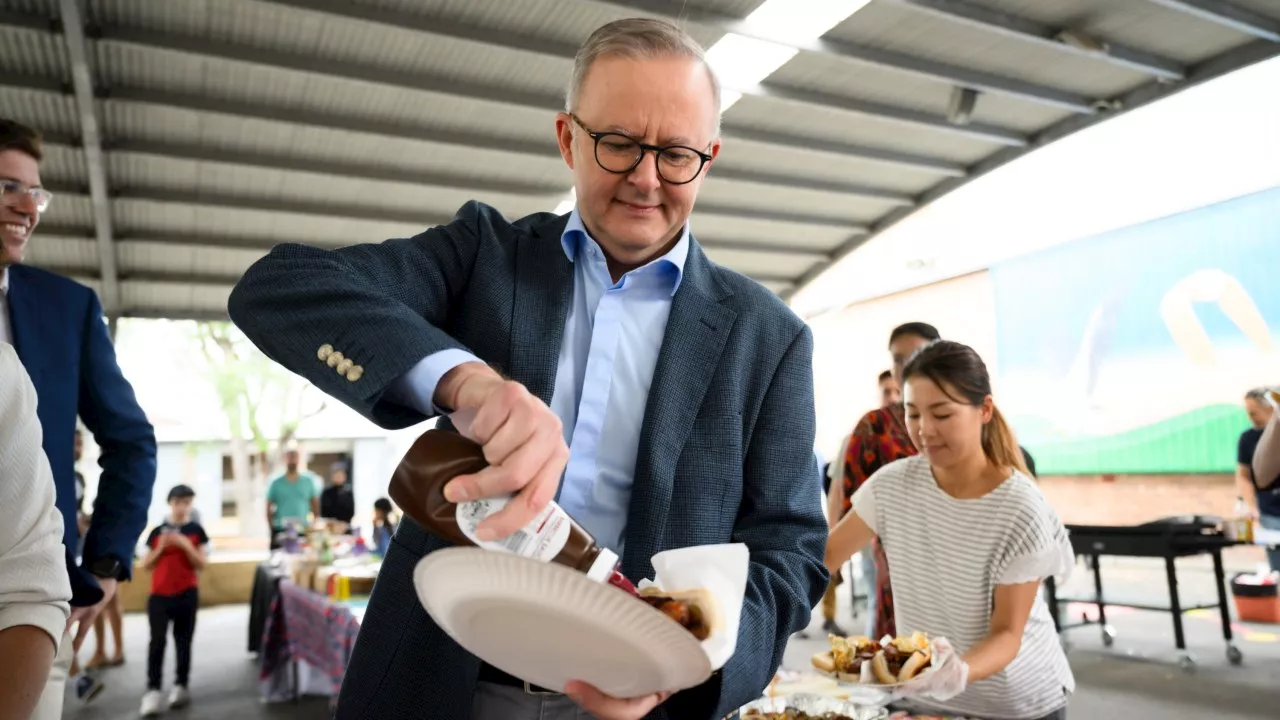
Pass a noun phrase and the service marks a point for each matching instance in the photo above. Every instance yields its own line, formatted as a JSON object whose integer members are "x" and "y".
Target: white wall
{"x": 370, "y": 473}
{"x": 196, "y": 465}
{"x": 851, "y": 345}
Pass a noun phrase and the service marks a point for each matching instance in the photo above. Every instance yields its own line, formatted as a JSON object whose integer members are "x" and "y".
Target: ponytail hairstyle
{"x": 956, "y": 368}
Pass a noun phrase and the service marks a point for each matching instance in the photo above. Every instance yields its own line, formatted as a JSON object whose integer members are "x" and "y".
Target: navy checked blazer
{"x": 726, "y": 445}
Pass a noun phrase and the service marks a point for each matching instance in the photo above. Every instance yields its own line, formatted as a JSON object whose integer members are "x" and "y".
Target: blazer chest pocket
{"x": 708, "y": 483}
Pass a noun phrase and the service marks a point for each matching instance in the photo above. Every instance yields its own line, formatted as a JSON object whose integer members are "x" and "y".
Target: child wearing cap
{"x": 177, "y": 554}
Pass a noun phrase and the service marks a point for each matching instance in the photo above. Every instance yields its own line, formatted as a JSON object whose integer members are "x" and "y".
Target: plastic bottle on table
{"x": 1242, "y": 522}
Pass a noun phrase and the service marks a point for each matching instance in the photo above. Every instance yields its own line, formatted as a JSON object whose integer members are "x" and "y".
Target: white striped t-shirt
{"x": 946, "y": 557}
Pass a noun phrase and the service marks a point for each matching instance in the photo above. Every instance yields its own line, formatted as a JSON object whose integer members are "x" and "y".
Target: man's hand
{"x": 522, "y": 439}
{"x": 610, "y": 708}
{"x": 86, "y": 615}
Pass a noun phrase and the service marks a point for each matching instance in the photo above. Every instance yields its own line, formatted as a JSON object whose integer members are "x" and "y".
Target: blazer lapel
{"x": 544, "y": 288}
{"x": 24, "y": 323}
{"x": 695, "y": 336}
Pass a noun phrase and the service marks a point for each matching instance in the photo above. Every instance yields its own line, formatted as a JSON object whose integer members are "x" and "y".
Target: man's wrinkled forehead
{"x": 622, "y": 94}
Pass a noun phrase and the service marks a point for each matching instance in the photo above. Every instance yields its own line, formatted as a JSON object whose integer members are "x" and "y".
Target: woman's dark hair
{"x": 382, "y": 504}
{"x": 956, "y": 367}
{"x": 921, "y": 330}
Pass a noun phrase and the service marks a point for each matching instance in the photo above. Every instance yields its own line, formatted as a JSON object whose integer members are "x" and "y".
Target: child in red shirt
{"x": 177, "y": 554}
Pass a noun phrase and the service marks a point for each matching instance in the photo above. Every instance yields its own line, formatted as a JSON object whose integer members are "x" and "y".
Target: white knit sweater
{"x": 34, "y": 589}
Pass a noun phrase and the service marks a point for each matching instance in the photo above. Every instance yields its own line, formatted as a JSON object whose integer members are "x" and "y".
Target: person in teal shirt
{"x": 291, "y": 496}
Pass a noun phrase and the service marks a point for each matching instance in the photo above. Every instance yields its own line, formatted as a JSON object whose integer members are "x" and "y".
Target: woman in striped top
{"x": 969, "y": 537}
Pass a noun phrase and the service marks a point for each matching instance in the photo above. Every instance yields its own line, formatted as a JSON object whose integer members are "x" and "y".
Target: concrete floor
{"x": 1136, "y": 679}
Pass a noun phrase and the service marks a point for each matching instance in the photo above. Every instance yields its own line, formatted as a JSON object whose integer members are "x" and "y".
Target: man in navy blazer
{"x": 57, "y": 327}
{"x": 663, "y": 400}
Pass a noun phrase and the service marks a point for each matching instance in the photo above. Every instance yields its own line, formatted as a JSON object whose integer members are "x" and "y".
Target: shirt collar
{"x": 575, "y": 234}
{"x": 4, "y": 281}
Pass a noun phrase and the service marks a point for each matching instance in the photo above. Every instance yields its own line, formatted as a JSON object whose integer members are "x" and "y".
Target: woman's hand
{"x": 1010, "y": 609}
{"x": 849, "y": 536}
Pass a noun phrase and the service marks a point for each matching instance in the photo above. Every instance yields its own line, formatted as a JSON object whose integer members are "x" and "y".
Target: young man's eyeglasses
{"x": 11, "y": 192}
{"x": 619, "y": 154}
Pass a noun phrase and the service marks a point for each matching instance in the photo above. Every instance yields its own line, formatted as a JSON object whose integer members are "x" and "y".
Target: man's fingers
{"x": 542, "y": 489}
{"x": 495, "y": 410}
{"x": 515, "y": 472}
{"x": 537, "y": 479}
{"x": 514, "y": 433}
{"x": 610, "y": 708}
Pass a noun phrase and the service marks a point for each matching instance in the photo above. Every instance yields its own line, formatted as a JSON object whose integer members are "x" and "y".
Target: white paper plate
{"x": 548, "y": 624}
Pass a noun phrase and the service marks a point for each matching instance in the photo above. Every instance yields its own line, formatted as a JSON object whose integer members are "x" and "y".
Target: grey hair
{"x": 638, "y": 39}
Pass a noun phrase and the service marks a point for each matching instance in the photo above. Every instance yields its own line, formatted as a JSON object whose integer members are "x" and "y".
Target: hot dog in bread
{"x": 696, "y": 610}
{"x": 890, "y": 663}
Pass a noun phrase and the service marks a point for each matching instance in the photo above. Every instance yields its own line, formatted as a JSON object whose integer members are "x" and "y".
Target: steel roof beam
{"x": 908, "y": 161}
{"x": 91, "y": 142}
{"x": 343, "y": 70}
{"x": 162, "y": 237}
{"x": 1227, "y": 15}
{"x": 390, "y": 175}
{"x": 363, "y": 212}
{"x": 197, "y": 315}
{"x": 729, "y": 130}
{"x": 900, "y": 62}
{"x": 1216, "y": 67}
{"x": 1018, "y": 28}
{"x": 225, "y": 281}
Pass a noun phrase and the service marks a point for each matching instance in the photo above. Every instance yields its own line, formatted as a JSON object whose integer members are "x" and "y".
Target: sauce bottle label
{"x": 542, "y": 539}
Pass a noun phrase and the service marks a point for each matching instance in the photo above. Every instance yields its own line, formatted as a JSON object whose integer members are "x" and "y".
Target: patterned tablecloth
{"x": 306, "y": 643}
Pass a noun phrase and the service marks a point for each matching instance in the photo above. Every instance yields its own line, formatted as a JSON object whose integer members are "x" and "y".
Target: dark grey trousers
{"x": 499, "y": 702}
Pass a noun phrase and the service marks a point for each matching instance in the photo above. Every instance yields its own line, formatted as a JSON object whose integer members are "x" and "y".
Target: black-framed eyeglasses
{"x": 12, "y": 190}
{"x": 620, "y": 154}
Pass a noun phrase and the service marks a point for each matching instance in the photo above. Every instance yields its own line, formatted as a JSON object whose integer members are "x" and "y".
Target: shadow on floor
{"x": 224, "y": 676}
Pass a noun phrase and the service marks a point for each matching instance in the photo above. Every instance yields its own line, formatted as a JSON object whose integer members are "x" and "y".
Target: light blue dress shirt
{"x": 612, "y": 335}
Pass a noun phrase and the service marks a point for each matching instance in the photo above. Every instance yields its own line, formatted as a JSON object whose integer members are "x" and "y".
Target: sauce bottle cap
{"x": 603, "y": 566}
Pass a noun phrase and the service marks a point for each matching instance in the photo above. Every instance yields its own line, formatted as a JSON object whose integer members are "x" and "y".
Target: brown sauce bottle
{"x": 437, "y": 457}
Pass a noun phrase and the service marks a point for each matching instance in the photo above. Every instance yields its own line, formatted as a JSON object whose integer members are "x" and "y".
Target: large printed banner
{"x": 1129, "y": 352}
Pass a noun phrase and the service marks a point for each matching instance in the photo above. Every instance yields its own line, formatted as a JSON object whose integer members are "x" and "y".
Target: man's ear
{"x": 564, "y": 137}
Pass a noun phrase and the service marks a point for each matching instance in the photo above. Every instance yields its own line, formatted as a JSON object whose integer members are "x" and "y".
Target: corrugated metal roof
{"x": 69, "y": 255}
{"x": 189, "y": 298}
{"x": 315, "y": 35}
{"x": 186, "y": 223}
{"x": 1138, "y": 23}
{"x": 231, "y": 125}
{"x": 820, "y": 123}
{"x": 64, "y": 165}
{"x": 276, "y": 138}
{"x": 33, "y": 52}
{"x": 50, "y": 112}
{"x": 906, "y": 29}
{"x": 741, "y": 155}
{"x": 158, "y": 258}
{"x": 68, "y": 210}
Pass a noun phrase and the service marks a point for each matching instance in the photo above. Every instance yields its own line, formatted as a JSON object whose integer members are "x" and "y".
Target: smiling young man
{"x": 666, "y": 400}
{"x": 57, "y": 328}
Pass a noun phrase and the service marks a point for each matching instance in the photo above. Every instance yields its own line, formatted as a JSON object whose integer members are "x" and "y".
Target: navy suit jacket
{"x": 59, "y": 333}
{"x": 726, "y": 445}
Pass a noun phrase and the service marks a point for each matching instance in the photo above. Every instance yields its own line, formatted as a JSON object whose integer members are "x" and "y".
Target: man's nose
{"x": 645, "y": 175}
